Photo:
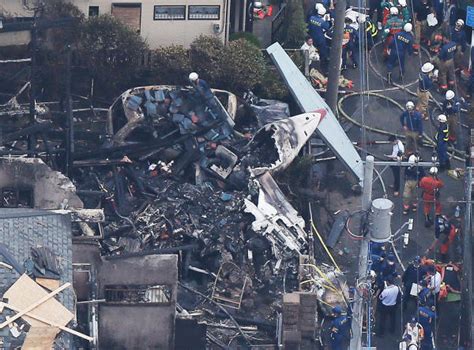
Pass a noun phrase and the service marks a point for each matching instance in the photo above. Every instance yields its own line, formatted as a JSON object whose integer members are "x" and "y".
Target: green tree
{"x": 294, "y": 27}
{"x": 243, "y": 66}
{"x": 111, "y": 52}
{"x": 206, "y": 57}
{"x": 57, "y": 38}
{"x": 171, "y": 65}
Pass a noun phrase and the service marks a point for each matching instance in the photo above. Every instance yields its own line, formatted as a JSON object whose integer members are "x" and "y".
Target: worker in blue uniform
{"x": 426, "y": 317}
{"x": 442, "y": 138}
{"x": 425, "y": 84}
{"x": 445, "y": 61}
{"x": 412, "y": 126}
{"x": 400, "y": 45}
{"x": 340, "y": 328}
{"x": 414, "y": 273}
{"x": 388, "y": 270}
{"x": 317, "y": 26}
{"x": 458, "y": 35}
{"x": 349, "y": 42}
{"x": 451, "y": 108}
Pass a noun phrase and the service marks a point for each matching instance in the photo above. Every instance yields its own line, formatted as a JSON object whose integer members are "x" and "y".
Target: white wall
{"x": 167, "y": 32}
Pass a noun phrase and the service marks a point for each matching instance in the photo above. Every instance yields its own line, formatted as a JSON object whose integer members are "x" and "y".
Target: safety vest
{"x": 371, "y": 29}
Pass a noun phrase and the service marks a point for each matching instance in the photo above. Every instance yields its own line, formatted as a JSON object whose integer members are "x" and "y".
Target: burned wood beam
{"x": 99, "y": 162}
{"x": 83, "y": 215}
{"x": 171, "y": 250}
{"x": 90, "y": 193}
{"x": 16, "y": 152}
{"x": 29, "y": 130}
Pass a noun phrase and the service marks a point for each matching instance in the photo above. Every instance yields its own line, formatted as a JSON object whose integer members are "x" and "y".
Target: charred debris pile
{"x": 179, "y": 172}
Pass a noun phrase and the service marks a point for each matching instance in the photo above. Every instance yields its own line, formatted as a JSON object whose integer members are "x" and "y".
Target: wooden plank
{"x": 25, "y": 291}
{"x": 28, "y": 295}
{"x": 48, "y": 283}
{"x": 51, "y": 323}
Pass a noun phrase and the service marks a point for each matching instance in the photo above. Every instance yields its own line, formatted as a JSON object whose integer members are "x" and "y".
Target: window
{"x": 16, "y": 197}
{"x": 93, "y": 11}
{"x": 204, "y": 12}
{"x": 129, "y": 14}
{"x": 169, "y": 13}
{"x": 138, "y": 294}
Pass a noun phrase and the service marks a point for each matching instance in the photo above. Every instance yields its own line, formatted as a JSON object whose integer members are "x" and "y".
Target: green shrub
{"x": 247, "y": 36}
{"x": 171, "y": 65}
{"x": 206, "y": 57}
{"x": 242, "y": 66}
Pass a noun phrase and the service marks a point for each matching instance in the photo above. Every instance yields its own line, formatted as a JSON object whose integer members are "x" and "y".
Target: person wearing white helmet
{"x": 398, "y": 151}
{"x": 413, "y": 175}
{"x": 317, "y": 27}
{"x": 401, "y": 44}
{"x": 425, "y": 84}
{"x": 404, "y": 11}
{"x": 451, "y": 108}
{"x": 458, "y": 35}
{"x": 431, "y": 186}
{"x": 203, "y": 89}
{"x": 393, "y": 25}
{"x": 442, "y": 138}
{"x": 412, "y": 126}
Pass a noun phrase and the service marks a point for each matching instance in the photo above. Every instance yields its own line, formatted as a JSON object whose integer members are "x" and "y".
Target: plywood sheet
{"x": 40, "y": 338}
{"x": 25, "y": 292}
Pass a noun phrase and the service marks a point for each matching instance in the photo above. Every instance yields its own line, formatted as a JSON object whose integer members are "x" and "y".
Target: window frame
{"x": 112, "y": 293}
{"x": 204, "y": 19}
{"x": 169, "y": 19}
{"x": 95, "y": 8}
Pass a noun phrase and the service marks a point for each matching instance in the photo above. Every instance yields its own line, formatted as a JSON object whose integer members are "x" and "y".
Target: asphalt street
{"x": 376, "y": 112}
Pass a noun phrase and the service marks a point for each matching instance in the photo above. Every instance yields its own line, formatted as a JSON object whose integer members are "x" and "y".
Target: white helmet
{"x": 407, "y": 27}
{"x": 449, "y": 94}
{"x": 427, "y": 67}
{"x": 410, "y": 105}
{"x": 442, "y": 118}
{"x": 193, "y": 76}
{"x": 257, "y": 4}
{"x": 413, "y": 159}
{"x": 460, "y": 22}
{"x": 433, "y": 170}
{"x": 402, "y": 3}
{"x": 321, "y": 11}
{"x": 393, "y": 11}
{"x": 318, "y": 6}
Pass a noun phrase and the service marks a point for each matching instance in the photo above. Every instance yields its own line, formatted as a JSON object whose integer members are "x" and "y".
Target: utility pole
{"x": 357, "y": 309}
{"x": 335, "y": 56}
{"x": 34, "y": 48}
{"x": 69, "y": 116}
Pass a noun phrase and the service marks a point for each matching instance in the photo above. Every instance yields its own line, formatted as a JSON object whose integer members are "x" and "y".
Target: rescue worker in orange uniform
{"x": 431, "y": 186}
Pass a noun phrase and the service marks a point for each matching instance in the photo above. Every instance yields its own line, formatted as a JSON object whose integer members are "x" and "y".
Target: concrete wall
{"x": 142, "y": 326}
{"x": 167, "y": 32}
{"x": 51, "y": 189}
